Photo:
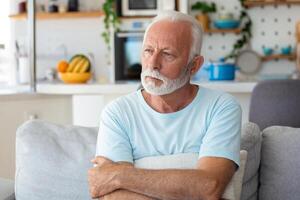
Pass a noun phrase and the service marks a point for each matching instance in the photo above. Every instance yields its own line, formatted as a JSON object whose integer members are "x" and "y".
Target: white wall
{"x": 273, "y": 26}
{"x": 16, "y": 109}
{"x": 59, "y": 39}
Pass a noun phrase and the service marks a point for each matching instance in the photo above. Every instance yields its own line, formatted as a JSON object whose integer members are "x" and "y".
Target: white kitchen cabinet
{"x": 87, "y": 108}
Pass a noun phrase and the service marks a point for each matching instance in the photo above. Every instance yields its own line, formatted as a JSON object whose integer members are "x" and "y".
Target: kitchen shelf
{"x": 137, "y": 17}
{"x": 278, "y": 56}
{"x": 266, "y": 3}
{"x": 215, "y": 30}
{"x": 68, "y": 15}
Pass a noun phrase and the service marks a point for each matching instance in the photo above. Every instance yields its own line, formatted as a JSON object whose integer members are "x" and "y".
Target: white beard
{"x": 168, "y": 85}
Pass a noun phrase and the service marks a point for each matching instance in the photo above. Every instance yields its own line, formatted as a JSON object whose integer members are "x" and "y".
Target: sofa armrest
{"x": 7, "y": 189}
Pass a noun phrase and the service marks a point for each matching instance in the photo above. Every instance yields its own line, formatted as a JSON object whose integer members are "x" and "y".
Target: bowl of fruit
{"x": 77, "y": 70}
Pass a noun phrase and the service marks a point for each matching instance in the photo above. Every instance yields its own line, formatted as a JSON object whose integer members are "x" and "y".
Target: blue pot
{"x": 286, "y": 50}
{"x": 221, "y": 71}
{"x": 267, "y": 51}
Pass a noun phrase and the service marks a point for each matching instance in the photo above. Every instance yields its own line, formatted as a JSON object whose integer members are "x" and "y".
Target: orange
{"x": 62, "y": 66}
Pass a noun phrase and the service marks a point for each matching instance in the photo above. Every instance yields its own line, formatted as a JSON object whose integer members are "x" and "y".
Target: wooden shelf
{"x": 215, "y": 30}
{"x": 69, "y": 15}
{"x": 137, "y": 17}
{"x": 266, "y": 3}
{"x": 278, "y": 56}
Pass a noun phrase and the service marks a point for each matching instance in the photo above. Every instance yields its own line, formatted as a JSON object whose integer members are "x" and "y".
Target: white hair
{"x": 175, "y": 16}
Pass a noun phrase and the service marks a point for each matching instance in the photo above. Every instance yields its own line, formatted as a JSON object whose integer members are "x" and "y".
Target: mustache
{"x": 156, "y": 74}
{"x": 153, "y": 74}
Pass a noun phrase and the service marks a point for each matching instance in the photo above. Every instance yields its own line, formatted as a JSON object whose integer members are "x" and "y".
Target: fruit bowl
{"x": 75, "y": 77}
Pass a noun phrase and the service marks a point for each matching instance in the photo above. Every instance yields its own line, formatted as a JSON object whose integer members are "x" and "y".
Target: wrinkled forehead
{"x": 174, "y": 33}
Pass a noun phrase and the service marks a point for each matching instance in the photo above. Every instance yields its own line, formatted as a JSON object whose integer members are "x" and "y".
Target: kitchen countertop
{"x": 59, "y": 88}
{"x": 14, "y": 89}
{"x": 124, "y": 88}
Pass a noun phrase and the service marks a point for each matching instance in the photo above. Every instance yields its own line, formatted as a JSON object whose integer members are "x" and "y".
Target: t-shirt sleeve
{"x": 113, "y": 141}
{"x": 223, "y": 135}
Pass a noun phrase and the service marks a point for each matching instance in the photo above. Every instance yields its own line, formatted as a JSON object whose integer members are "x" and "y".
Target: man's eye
{"x": 168, "y": 55}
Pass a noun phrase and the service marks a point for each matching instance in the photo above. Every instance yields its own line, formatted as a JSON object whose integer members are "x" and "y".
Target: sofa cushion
{"x": 189, "y": 161}
{"x": 251, "y": 142}
{"x": 52, "y": 161}
{"x": 280, "y": 164}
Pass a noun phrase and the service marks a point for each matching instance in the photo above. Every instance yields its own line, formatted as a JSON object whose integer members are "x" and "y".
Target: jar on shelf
{"x": 62, "y": 8}
{"x": 73, "y": 5}
{"x": 53, "y": 6}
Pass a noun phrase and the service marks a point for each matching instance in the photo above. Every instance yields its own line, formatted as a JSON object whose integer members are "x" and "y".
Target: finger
{"x": 100, "y": 160}
{"x": 92, "y": 192}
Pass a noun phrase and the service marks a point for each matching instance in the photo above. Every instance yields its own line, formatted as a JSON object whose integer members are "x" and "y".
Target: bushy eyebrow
{"x": 146, "y": 46}
{"x": 167, "y": 49}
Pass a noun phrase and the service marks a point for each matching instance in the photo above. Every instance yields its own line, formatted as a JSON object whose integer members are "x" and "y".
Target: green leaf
{"x": 204, "y": 7}
{"x": 110, "y": 20}
{"x": 246, "y": 34}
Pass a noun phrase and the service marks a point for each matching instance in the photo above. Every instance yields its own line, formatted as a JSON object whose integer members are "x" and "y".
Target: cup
{"x": 62, "y": 8}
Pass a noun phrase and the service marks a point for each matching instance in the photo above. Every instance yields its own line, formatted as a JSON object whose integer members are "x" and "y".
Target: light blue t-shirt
{"x": 210, "y": 125}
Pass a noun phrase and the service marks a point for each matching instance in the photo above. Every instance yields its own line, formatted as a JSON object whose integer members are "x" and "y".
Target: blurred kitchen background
{"x": 67, "y": 72}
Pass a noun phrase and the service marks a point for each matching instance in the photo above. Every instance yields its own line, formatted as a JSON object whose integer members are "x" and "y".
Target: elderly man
{"x": 168, "y": 116}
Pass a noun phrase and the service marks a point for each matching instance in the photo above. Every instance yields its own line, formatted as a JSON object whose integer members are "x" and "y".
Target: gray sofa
{"x": 52, "y": 162}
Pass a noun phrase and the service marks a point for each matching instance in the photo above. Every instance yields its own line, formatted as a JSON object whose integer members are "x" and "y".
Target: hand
{"x": 103, "y": 178}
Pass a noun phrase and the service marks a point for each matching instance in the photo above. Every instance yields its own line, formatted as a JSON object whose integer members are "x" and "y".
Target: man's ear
{"x": 197, "y": 63}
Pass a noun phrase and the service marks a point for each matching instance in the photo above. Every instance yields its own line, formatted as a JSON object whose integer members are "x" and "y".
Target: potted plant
{"x": 111, "y": 24}
{"x": 111, "y": 21}
{"x": 246, "y": 33}
{"x": 203, "y": 17}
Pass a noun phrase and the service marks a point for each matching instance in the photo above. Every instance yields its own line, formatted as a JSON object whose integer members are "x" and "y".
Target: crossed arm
{"x": 109, "y": 181}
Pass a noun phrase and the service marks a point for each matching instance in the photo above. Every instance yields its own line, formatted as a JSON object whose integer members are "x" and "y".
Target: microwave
{"x": 144, "y": 7}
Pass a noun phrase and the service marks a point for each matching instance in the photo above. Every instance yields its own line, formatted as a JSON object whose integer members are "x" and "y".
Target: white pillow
{"x": 189, "y": 161}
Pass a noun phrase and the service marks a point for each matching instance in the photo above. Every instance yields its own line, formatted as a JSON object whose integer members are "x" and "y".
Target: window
{"x": 5, "y": 69}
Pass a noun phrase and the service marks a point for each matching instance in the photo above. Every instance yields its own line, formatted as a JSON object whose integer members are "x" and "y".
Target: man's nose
{"x": 154, "y": 62}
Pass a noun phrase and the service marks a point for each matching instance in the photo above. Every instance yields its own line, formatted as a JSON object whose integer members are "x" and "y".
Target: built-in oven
{"x": 144, "y": 7}
{"x": 128, "y": 47}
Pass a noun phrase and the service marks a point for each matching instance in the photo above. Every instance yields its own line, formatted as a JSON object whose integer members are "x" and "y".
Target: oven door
{"x": 128, "y": 48}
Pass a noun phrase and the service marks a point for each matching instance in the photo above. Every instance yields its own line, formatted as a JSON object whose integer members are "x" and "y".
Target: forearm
{"x": 170, "y": 184}
{"x": 126, "y": 195}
